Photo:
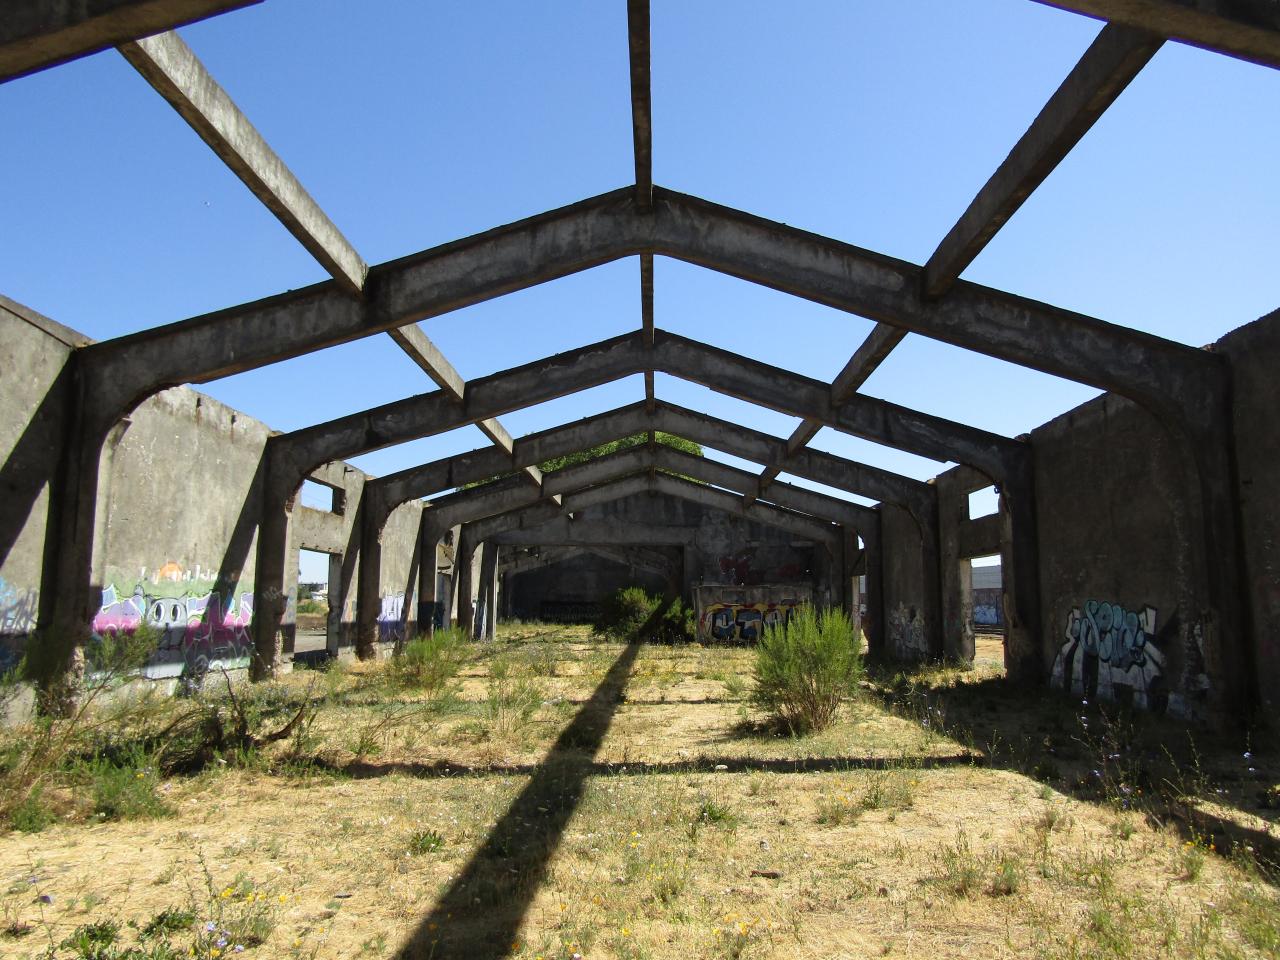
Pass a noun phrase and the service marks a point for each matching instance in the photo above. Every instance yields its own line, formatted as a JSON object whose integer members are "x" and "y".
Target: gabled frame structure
{"x": 1187, "y": 391}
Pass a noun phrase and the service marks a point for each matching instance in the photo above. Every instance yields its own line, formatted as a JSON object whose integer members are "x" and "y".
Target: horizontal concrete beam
{"x": 1248, "y": 29}
{"x": 980, "y": 537}
{"x": 1113, "y": 59}
{"x": 35, "y": 34}
{"x": 177, "y": 74}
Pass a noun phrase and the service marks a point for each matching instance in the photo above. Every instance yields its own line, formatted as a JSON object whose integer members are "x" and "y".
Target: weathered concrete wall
{"x": 906, "y": 634}
{"x": 572, "y": 589}
{"x": 1254, "y": 351}
{"x": 718, "y": 547}
{"x": 178, "y": 507}
{"x": 34, "y": 352}
{"x": 1107, "y": 497}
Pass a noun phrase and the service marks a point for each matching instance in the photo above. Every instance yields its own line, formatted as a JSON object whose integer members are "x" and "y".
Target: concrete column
{"x": 930, "y": 579}
{"x": 1020, "y": 574}
{"x": 489, "y": 588}
{"x": 690, "y": 572}
{"x": 270, "y": 598}
{"x": 873, "y": 624}
{"x": 428, "y": 579}
{"x": 68, "y": 597}
{"x": 369, "y": 587}
{"x": 337, "y": 599}
{"x": 957, "y": 572}
{"x": 849, "y": 577}
{"x": 462, "y": 560}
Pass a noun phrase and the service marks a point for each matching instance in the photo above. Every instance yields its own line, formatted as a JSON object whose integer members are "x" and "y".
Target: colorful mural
{"x": 1108, "y": 653}
{"x": 204, "y": 624}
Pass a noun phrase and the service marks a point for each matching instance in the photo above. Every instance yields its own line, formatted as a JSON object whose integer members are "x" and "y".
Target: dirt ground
{"x": 582, "y": 799}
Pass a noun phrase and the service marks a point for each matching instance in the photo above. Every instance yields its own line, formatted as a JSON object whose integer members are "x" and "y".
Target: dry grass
{"x": 638, "y": 810}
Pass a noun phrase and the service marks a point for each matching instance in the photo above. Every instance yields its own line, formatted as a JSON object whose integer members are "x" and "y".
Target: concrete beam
{"x": 873, "y": 351}
{"x": 867, "y": 417}
{"x": 1150, "y": 370}
{"x": 123, "y": 371}
{"x": 980, "y": 537}
{"x": 35, "y": 34}
{"x": 1248, "y": 29}
{"x": 646, "y": 320}
{"x": 1113, "y": 59}
{"x": 784, "y": 495}
{"x": 177, "y": 74}
{"x": 170, "y": 66}
{"x": 641, "y": 100}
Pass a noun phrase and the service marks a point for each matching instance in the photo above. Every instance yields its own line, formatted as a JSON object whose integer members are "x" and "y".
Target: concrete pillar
{"x": 270, "y": 598}
{"x": 690, "y": 573}
{"x": 956, "y": 572}
{"x": 369, "y": 588}
{"x": 850, "y": 561}
{"x": 873, "y": 624}
{"x": 428, "y": 578}
{"x": 1020, "y": 574}
{"x": 337, "y": 599}
{"x": 462, "y": 560}
{"x": 930, "y": 579}
{"x": 489, "y": 590}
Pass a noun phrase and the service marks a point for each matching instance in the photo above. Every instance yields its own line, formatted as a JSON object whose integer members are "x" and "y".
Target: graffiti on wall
{"x": 1108, "y": 653}
{"x": 391, "y": 624}
{"x": 986, "y": 614}
{"x": 203, "y": 623}
{"x": 18, "y": 610}
{"x": 906, "y": 633}
{"x": 744, "y": 621}
{"x": 737, "y": 566}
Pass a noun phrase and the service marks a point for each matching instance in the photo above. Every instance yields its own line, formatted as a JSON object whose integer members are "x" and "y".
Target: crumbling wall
{"x": 179, "y": 498}
{"x": 1108, "y": 495}
{"x": 572, "y": 589}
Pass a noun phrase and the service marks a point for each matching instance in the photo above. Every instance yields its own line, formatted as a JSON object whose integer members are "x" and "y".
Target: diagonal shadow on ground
{"x": 479, "y": 915}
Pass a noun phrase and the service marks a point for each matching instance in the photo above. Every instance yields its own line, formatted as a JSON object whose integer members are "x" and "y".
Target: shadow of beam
{"x": 479, "y": 915}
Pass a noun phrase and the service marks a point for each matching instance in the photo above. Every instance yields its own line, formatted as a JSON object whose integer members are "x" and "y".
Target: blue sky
{"x": 873, "y": 122}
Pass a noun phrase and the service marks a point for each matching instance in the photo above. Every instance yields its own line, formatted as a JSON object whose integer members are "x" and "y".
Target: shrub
{"x": 125, "y": 788}
{"x": 634, "y": 614}
{"x": 430, "y": 661}
{"x": 804, "y": 668}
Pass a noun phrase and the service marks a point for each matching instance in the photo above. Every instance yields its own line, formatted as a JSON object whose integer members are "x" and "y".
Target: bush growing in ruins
{"x": 429, "y": 661}
{"x": 632, "y": 613}
{"x": 805, "y": 667}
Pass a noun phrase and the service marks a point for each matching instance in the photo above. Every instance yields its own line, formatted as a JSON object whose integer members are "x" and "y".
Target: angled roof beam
{"x": 1239, "y": 28}
{"x": 480, "y": 465}
{"x": 1114, "y": 58}
{"x": 1143, "y": 367}
{"x": 641, "y": 100}
{"x": 1159, "y": 374}
{"x": 35, "y": 34}
{"x": 123, "y": 371}
{"x": 882, "y": 339}
{"x": 597, "y": 481}
{"x": 295, "y": 455}
{"x": 177, "y": 74}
